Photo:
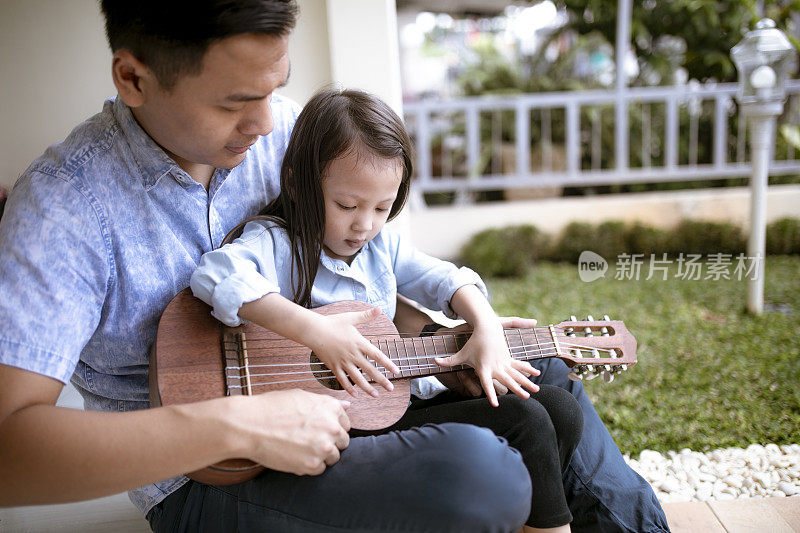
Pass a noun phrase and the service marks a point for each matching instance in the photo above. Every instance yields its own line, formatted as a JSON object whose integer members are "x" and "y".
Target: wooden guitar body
{"x": 187, "y": 365}
{"x": 196, "y": 358}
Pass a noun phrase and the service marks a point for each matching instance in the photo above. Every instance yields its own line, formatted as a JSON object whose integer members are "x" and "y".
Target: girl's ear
{"x": 132, "y": 78}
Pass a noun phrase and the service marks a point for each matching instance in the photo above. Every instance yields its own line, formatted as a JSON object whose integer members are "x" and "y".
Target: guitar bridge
{"x": 237, "y": 366}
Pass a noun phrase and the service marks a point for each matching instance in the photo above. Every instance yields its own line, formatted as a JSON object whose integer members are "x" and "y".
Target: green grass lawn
{"x": 708, "y": 374}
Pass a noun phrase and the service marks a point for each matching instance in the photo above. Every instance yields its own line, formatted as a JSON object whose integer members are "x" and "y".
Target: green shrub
{"x": 510, "y": 251}
{"x": 505, "y": 252}
{"x": 783, "y": 237}
{"x": 575, "y": 238}
{"x": 647, "y": 240}
{"x": 609, "y": 239}
{"x": 704, "y": 238}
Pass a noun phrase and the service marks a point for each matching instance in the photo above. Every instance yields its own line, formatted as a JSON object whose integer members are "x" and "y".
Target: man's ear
{"x": 132, "y": 78}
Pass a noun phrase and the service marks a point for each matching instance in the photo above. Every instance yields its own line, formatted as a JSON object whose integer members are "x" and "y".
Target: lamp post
{"x": 763, "y": 59}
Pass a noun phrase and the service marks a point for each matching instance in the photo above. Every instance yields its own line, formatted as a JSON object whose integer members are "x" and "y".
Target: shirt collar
{"x": 355, "y": 270}
{"x": 151, "y": 159}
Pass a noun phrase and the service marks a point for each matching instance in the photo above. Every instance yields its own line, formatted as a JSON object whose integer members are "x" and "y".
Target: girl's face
{"x": 359, "y": 190}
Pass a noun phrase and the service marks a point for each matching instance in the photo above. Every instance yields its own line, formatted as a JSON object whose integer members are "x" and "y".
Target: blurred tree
{"x": 694, "y": 34}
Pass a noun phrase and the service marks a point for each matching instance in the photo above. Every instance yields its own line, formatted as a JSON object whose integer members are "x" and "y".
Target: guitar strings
{"x": 381, "y": 368}
{"x": 321, "y": 374}
{"x": 513, "y": 350}
{"x": 521, "y": 333}
{"x": 415, "y": 335}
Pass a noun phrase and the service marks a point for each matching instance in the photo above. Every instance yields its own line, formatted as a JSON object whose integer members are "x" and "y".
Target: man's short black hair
{"x": 172, "y": 36}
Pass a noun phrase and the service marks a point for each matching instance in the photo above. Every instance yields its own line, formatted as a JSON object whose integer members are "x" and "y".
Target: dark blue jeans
{"x": 490, "y": 486}
{"x": 438, "y": 478}
{"x": 603, "y": 492}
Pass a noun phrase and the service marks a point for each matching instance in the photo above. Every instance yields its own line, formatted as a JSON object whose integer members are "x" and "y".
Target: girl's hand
{"x": 465, "y": 382}
{"x": 487, "y": 352}
{"x": 346, "y": 352}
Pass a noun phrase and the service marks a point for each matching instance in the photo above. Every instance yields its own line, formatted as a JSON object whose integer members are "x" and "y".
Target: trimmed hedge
{"x": 505, "y": 252}
{"x": 511, "y": 250}
{"x": 783, "y": 237}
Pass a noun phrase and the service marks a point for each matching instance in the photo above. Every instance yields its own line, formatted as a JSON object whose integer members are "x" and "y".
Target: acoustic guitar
{"x": 196, "y": 358}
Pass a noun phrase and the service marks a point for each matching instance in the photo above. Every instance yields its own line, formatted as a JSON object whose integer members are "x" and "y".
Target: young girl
{"x": 346, "y": 172}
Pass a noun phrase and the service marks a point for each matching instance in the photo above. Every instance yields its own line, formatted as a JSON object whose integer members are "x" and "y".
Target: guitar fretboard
{"x": 414, "y": 355}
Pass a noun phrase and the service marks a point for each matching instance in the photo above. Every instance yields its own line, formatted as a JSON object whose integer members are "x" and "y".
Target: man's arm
{"x": 52, "y": 454}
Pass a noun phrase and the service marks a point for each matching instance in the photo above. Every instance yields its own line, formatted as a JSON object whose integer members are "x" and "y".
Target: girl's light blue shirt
{"x": 260, "y": 262}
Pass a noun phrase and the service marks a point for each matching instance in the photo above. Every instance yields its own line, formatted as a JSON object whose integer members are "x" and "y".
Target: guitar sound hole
{"x": 324, "y": 375}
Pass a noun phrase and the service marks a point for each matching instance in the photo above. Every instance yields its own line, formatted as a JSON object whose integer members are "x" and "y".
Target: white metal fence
{"x": 680, "y": 133}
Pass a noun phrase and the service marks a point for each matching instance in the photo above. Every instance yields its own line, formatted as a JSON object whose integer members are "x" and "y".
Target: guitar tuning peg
{"x": 569, "y": 332}
{"x": 592, "y": 372}
{"x": 589, "y": 318}
{"x": 604, "y": 331}
{"x": 573, "y": 376}
{"x": 573, "y": 318}
{"x": 608, "y": 377}
{"x": 605, "y": 317}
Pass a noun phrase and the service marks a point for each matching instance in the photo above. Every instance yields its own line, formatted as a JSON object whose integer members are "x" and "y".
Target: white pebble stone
{"x": 721, "y": 474}
{"x": 670, "y": 485}
{"x": 763, "y": 478}
{"x": 704, "y": 491}
{"x": 734, "y": 481}
{"x": 788, "y": 488}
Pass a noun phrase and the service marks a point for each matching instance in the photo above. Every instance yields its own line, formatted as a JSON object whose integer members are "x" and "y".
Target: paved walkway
{"x": 756, "y": 515}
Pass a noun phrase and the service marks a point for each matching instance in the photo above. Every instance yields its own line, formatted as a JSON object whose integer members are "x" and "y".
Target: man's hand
{"x": 465, "y": 382}
{"x": 292, "y": 431}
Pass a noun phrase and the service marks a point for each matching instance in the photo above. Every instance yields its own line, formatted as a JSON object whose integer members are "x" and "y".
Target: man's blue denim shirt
{"x": 97, "y": 237}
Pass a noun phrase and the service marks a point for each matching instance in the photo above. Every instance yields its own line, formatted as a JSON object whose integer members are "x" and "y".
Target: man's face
{"x": 209, "y": 120}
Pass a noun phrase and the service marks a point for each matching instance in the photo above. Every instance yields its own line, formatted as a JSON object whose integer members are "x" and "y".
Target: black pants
{"x": 426, "y": 473}
{"x": 545, "y": 429}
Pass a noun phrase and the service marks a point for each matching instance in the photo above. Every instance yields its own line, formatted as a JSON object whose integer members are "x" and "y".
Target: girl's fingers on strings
{"x": 358, "y": 378}
{"x": 341, "y": 377}
{"x": 375, "y": 374}
{"x": 381, "y": 358}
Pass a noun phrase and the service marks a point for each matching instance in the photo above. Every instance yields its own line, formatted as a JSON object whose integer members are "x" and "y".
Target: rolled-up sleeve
{"x": 240, "y": 272}
{"x": 428, "y": 280}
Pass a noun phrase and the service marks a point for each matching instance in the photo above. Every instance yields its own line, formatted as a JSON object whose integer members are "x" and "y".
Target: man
{"x": 105, "y": 228}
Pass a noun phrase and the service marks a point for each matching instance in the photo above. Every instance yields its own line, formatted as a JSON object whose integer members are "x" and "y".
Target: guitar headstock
{"x": 594, "y": 347}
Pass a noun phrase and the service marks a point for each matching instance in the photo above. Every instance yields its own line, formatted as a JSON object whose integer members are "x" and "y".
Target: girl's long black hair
{"x": 332, "y": 123}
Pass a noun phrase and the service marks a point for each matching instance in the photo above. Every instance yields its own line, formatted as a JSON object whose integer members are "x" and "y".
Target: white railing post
{"x": 573, "y": 138}
{"x": 621, "y": 133}
{"x": 671, "y": 149}
{"x": 720, "y": 130}
{"x": 523, "y": 140}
